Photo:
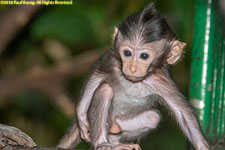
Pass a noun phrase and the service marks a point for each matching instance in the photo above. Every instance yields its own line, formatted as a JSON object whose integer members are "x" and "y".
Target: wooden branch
{"x": 16, "y": 147}
{"x": 14, "y": 21}
{"x": 12, "y": 138}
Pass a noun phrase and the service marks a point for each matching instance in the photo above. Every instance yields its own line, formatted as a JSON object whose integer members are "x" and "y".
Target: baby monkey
{"x": 118, "y": 105}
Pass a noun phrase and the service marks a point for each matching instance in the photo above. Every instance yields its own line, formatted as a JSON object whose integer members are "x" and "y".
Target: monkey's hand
{"x": 84, "y": 129}
{"x": 203, "y": 147}
{"x": 127, "y": 147}
{"x": 104, "y": 147}
{"x": 107, "y": 146}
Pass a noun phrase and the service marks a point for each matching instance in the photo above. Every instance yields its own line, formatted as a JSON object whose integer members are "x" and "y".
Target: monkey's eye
{"x": 127, "y": 53}
{"x": 144, "y": 56}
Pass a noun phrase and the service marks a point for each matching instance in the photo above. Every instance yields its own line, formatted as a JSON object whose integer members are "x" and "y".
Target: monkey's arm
{"x": 98, "y": 115}
{"x": 84, "y": 104}
{"x": 175, "y": 101}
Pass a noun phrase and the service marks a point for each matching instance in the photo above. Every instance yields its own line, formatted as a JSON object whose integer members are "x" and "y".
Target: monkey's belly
{"x": 126, "y": 106}
{"x": 130, "y": 98}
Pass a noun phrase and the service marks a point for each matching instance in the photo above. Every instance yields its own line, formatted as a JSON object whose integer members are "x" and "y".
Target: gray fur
{"x": 109, "y": 96}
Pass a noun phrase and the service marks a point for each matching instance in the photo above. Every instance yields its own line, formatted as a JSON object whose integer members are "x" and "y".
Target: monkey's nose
{"x": 133, "y": 69}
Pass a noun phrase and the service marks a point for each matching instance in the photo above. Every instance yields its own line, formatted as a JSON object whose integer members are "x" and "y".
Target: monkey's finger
{"x": 86, "y": 136}
{"x": 84, "y": 132}
{"x": 88, "y": 139}
{"x": 135, "y": 146}
{"x": 105, "y": 148}
{"x": 121, "y": 147}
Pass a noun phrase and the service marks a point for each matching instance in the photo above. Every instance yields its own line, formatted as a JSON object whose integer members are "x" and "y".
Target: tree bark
{"x": 12, "y": 138}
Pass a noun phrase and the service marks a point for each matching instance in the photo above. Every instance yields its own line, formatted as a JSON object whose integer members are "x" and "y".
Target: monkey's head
{"x": 143, "y": 42}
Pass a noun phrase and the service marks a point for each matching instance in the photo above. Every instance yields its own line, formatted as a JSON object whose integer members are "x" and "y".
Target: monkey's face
{"x": 136, "y": 60}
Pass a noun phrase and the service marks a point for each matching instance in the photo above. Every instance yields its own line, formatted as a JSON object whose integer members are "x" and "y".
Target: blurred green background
{"x": 57, "y": 35}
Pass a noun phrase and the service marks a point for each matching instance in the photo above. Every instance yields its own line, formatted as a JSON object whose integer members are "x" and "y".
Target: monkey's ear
{"x": 115, "y": 33}
{"x": 176, "y": 52}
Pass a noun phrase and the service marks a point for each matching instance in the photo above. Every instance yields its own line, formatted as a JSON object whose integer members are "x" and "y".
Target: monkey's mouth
{"x": 133, "y": 78}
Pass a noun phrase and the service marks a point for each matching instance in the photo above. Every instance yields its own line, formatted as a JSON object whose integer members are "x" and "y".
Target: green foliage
{"x": 68, "y": 26}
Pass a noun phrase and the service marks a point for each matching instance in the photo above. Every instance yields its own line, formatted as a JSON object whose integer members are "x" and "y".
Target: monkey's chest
{"x": 130, "y": 97}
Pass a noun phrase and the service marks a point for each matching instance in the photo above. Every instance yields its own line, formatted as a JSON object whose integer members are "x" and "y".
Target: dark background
{"x": 38, "y": 97}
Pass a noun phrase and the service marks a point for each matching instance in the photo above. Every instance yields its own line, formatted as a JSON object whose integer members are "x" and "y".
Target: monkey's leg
{"x": 98, "y": 115}
{"x": 135, "y": 128}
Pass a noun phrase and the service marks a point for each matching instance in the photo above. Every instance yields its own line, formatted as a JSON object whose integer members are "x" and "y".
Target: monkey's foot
{"x": 105, "y": 146}
{"x": 127, "y": 147}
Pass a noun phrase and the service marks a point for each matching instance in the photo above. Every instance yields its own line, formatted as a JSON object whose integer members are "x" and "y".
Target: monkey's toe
{"x": 134, "y": 146}
{"x": 104, "y": 148}
{"x": 121, "y": 147}
{"x": 127, "y": 147}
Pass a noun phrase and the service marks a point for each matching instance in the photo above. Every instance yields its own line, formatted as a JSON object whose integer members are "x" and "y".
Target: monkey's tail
{"x": 71, "y": 138}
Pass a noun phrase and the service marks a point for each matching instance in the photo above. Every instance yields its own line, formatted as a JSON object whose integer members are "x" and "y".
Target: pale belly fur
{"x": 126, "y": 100}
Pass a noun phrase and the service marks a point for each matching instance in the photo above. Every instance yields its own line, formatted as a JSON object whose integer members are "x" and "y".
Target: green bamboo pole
{"x": 202, "y": 61}
{"x": 207, "y": 84}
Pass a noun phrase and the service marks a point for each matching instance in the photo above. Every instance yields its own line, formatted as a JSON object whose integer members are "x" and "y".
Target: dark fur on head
{"x": 147, "y": 26}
